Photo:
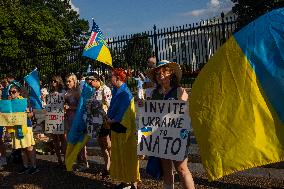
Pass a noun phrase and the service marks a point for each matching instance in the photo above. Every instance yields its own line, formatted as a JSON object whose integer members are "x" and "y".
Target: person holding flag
{"x": 23, "y": 140}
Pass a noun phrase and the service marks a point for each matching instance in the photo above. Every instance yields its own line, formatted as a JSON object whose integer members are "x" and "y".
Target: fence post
{"x": 223, "y": 28}
{"x": 156, "y": 42}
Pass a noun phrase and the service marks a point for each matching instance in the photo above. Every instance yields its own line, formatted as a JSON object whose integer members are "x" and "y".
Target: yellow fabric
{"x": 25, "y": 142}
{"x": 72, "y": 152}
{"x": 11, "y": 128}
{"x": 234, "y": 126}
{"x": 124, "y": 162}
{"x": 11, "y": 119}
{"x": 105, "y": 56}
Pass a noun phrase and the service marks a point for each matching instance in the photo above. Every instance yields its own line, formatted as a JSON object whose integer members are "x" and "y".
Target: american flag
{"x": 97, "y": 37}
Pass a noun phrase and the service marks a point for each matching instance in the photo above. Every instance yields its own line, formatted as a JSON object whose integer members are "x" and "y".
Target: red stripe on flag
{"x": 93, "y": 37}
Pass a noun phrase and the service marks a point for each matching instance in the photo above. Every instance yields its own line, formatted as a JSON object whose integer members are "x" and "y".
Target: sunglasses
{"x": 13, "y": 92}
{"x": 54, "y": 81}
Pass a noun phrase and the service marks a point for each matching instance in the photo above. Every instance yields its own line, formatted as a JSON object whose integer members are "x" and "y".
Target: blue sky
{"x": 120, "y": 17}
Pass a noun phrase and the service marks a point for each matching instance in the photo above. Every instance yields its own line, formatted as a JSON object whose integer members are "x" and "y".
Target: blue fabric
{"x": 154, "y": 167}
{"x": 1, "y": 131}
{"x": 119, "y": 103}
{"x": 264, "y": 51}
{"x": 5, "y": 93}
{"x": 19, "y": 132}
{"x": 16, "y": 105}
{"x": 79, "y": 127}
{"x": 35, "y": 95}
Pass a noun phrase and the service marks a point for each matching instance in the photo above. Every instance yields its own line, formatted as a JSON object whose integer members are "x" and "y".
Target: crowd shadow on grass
{"x": 51, "y": 177}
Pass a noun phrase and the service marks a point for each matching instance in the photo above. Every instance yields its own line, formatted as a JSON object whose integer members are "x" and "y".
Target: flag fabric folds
{"x": 124, "y": 163}
{"x": 77, "y": 136}
{"x": 13, "y": 112}
{"x": 96, "y": 47}
{"x": 237, "y": 100}
{"x": 13, "y": 115}
{"x": 35, "y": 96}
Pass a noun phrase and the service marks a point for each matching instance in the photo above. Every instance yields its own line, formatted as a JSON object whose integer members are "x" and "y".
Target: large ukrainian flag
{"x": 237, "y": 102}
{"x": 124, "y": 162}
{"x": 96, "y": 47}
{"x": 77, "y": 136}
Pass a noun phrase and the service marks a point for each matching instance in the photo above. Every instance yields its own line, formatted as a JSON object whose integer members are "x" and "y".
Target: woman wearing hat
{"x": 167, "y": 76}
{"x": 98, "y": 105}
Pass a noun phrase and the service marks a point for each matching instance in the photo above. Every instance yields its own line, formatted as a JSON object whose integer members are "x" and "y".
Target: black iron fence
{"x": 190, "y": 45}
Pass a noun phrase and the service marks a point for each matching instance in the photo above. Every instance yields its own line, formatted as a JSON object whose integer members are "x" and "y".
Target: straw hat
{"x": 151, "y": 74}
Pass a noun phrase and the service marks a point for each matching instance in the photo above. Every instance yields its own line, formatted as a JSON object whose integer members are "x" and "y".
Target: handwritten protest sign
{"x": 163, "y": 129}
{"x": 54, "y": 117}
{"x": 94, "y": 117}
{"x": 13, "y": 112}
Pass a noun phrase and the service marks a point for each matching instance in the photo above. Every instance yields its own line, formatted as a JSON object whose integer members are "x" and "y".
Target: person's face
{"x": 14, "y": 93}
{"x": 163, "y": 76}
{"x": 54, "y": 83}
{"x": 95, "y": 83}
{"x": 70, "y": 83}
{"x": 151, "y": 62}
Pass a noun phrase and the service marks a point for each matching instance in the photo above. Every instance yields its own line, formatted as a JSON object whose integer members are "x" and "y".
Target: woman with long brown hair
{"x": 59, "y": 141}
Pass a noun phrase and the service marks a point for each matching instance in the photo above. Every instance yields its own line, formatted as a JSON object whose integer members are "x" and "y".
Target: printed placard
{"x": 94, "y": 117}
{"x": 54, "y": 117}
{"x": 164, "y": 128}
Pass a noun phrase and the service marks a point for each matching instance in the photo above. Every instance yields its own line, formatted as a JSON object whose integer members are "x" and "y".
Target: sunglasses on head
{"x": 13, "y": 92}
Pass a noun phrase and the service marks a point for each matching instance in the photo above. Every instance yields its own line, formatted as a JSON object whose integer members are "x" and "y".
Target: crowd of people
{"x": 117, "y": 136}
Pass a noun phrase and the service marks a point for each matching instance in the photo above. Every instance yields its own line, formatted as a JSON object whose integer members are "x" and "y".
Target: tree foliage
{"x": 31, "y": 31}
{"x": 248, "y": 10}
{"x": 137, "y": 50}
{"x": 32, "y": 26}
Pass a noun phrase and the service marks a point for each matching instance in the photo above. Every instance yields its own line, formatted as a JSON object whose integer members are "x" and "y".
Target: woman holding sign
{"x": 59, "y": 141}
{"x": 22, "y": 141}
{"x": 121, "y": 117}
{"x": 167, "y": 76}
{"x": 97, "y": 108}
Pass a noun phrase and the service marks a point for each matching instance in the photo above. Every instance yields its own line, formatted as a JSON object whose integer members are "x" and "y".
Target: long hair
{"x": 174, "y": 82}
{"x": 60, "y": 83}
{"x": 73, "y": 77}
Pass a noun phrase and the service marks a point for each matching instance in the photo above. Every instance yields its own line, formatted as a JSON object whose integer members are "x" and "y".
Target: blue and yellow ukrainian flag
{"x": 237, "y": 104}
{"x": 124, "y": 162}
{"x": 96, "y": 47}
{"x": 13, "y": 113}
{"x": 77, "y": 136}
{"x": 35, "y": 95}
